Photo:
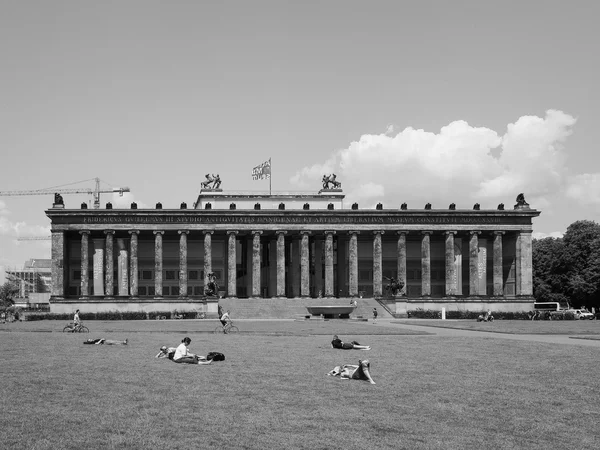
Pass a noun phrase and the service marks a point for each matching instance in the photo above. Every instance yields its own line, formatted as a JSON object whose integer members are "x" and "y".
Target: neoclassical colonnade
{"x": 108, "y": 248}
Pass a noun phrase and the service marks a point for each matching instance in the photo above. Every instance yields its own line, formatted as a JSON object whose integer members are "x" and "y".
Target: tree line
{"x": 567, "y": 269}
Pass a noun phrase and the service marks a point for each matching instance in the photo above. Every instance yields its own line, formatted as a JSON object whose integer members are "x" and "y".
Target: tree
{"x": 582, "y": 256}
{"x": 8, "y": 292}
{"x": 550, "y": 271}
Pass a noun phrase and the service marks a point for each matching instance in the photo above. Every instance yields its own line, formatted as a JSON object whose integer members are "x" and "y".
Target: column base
{"x": 232, "y": 297}
{"x": 281, "y": 297}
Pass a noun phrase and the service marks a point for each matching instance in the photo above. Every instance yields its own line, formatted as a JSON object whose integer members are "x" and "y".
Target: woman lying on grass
{"x": 166, "y": 352}
{"x": 182, "y": 354}
{"x": 105, "y": 342}
{"x": 338, "y": 343}
{"x": 351, "y": 371}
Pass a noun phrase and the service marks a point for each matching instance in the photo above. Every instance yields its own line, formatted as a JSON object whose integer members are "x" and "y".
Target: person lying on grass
{"x": 338, "y": 343}
{"x": 105, "y": 342}
{"x": 182, "y": 354}
{"x": 354, "y": 372}
{"x": 166, "y": 352}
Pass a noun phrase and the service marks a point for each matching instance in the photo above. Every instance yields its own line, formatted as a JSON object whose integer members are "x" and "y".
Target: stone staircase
{"x": 295, "y": 308}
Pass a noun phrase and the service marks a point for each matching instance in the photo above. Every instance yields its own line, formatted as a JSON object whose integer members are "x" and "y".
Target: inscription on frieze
{"x": 291, "y": 219}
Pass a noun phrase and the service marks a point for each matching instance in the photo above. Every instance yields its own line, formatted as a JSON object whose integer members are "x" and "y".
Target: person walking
{"x": 374, "y": 315}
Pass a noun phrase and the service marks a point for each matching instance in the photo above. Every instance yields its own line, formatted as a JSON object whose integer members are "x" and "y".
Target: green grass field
{"x": 271, "y": 392}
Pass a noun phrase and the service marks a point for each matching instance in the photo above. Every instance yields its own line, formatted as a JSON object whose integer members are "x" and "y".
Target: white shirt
{"x": 225, "y": 317}
{"x": 180, "y": 351}
{"x": 76, "y": 318}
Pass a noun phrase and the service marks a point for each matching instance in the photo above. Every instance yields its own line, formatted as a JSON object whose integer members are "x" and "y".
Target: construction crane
{"x": 34, "y": 238}
{"x": 95, "y": 192}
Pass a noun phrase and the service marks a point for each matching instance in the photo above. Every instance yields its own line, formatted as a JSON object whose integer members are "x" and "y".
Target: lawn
{"x": 271, "y": 392}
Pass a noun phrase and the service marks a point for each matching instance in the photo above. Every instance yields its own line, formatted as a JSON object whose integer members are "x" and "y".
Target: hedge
{"x": 112, "y": 315}
{"x": 420, "y": 313}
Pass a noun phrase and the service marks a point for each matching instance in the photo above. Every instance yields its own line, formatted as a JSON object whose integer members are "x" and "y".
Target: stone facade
{"x": 295, "y": 246}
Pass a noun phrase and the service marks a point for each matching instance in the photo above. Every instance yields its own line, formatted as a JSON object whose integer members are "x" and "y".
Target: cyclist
{"x": 76, "y": 321}
{"x": 224, "y": 319}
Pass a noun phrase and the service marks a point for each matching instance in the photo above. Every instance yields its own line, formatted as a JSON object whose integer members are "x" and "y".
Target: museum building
{"x": 290, "y": 246}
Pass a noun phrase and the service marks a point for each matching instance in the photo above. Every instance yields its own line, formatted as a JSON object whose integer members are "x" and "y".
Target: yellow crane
{"x": 95, "y": 192}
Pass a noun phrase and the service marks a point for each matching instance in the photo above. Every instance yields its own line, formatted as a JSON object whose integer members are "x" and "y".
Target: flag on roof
{"x": 262, "y": 171}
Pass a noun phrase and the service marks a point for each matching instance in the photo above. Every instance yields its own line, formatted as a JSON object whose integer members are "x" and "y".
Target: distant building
{"x": 291, "y": 245}
{"x": 34, "y": 281}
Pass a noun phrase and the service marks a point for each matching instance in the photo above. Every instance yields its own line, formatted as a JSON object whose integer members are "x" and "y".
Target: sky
{"x": 432, "y": 101}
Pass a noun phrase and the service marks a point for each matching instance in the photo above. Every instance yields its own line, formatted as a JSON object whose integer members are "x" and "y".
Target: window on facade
{"x": 77, "y": 275}
{"x": 73, "y": 290}
{"x": 142, "y": 290}
{"x": 190, "y": 290}
{"x": 193, "y": 275}
{"x": 146, "y": 275}
{"x": 151, "y": 290}
{"x": 365, "y": 275}
{"x": 198, "y": 290}
{"x": 170, "y": 274}
{"x": 166, "y": 290}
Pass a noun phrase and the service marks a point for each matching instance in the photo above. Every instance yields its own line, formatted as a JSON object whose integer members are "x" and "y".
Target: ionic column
{"x": 318, "y": 265}
{"x": 295, "y": 267}
{"x": 451, "y": 280}
{"x": 122, "y": 268}
{"x": 183, "y": 270}
{"x": 109, "y": 278}
{"x": 158, "y": 263}
{"x": 207, "y": 255}
{"x": 353, "y": 264}
{"x": 58, "y": 263}
{"x": 98, "y": 262}
{"x": 281, "y": 263}
{"x": 231, "y": 265}
{"x": 525, "y": 272}
{"x": 497, "y": 264}
{"x": 85, "y": 288}
{"x": 133, "y": 263}
{"x": 401, "y": 260}
{"x": 304, "y": 265}
{"x": 256, "y": 263}
{"x": 329, "y": 263}
{"x": 377, "y": 263}
{"x": 426, "y": 264}
{"x": 474, "y": 263}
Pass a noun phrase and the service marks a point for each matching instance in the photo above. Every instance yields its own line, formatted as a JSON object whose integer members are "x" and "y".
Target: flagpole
{"x": 270, "y": 176}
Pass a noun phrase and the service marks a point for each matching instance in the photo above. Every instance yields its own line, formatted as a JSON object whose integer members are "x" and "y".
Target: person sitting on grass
{"x": 166, "y": 352}
{"x": 224, "y": 319}
{"x": 338, "y": 343}
{"x": 354, "y": 372}
{"x": 182, "y": 354}
{"x": 105, "y": 342}
{"x": 487, "y": 317}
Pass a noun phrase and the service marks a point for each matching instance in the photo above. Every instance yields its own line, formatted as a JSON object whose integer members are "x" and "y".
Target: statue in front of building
{"x": 216, "y": 182}
{"x": 212, "y": 288}
{"x": 394, "y": 286}
{"x": 331, "y": 180}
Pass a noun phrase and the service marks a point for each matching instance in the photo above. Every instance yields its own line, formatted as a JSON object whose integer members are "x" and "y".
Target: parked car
{"x": 582, "y": 314}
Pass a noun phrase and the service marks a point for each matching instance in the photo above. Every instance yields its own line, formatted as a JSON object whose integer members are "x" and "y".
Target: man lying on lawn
{"x": 338, "y": 343}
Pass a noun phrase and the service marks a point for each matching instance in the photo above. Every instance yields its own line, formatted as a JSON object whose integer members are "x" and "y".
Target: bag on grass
{"x": 215, "y": 356}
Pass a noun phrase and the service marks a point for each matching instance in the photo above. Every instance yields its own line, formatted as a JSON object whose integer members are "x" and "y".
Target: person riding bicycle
{"x": 76, "y": 321}
{"x": 224, "y": 319}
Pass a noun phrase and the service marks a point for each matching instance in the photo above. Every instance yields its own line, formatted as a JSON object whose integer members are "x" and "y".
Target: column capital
{"x": 82, "y": 232}
{"x": 499, "y": 233}
{"x": 474, "y": 232}
{"x": 132, "y": 232}
{"x": 379, "y": 232}
{"x": 205, "y": 232}
{"x": 329, "y": 232}
{"x": 183, "y": 232}
{"x": 157, "y": 232}
{"x": 307, "y": 232}
{"x": 234, "y": 232}
{"x": 354, "y": 232}
{"x": 281, "y": 232}
{"x": 258, "y": 232}
{"x": 107, "y": 232}
{"x": 525, "y": 231}
{"x": 450, "y": 232}
{"x": 402, "y": 232}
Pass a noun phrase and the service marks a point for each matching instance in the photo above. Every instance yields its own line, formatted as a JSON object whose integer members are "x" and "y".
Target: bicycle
{"x": 229, "y": 328}
{"x": 71, "y": 328}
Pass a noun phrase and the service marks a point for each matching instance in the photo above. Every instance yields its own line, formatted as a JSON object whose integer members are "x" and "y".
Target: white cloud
{"x": 584, "y": 188}
{"x": 461, "y": 164}
{"x": 124, "y": 201}
{"x": 553, "y": 234}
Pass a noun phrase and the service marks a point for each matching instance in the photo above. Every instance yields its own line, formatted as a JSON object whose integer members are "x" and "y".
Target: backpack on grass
{"x": 215, "y": 356}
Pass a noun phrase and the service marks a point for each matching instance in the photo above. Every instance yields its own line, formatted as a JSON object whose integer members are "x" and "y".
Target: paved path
{"x": 453, "y": 332}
